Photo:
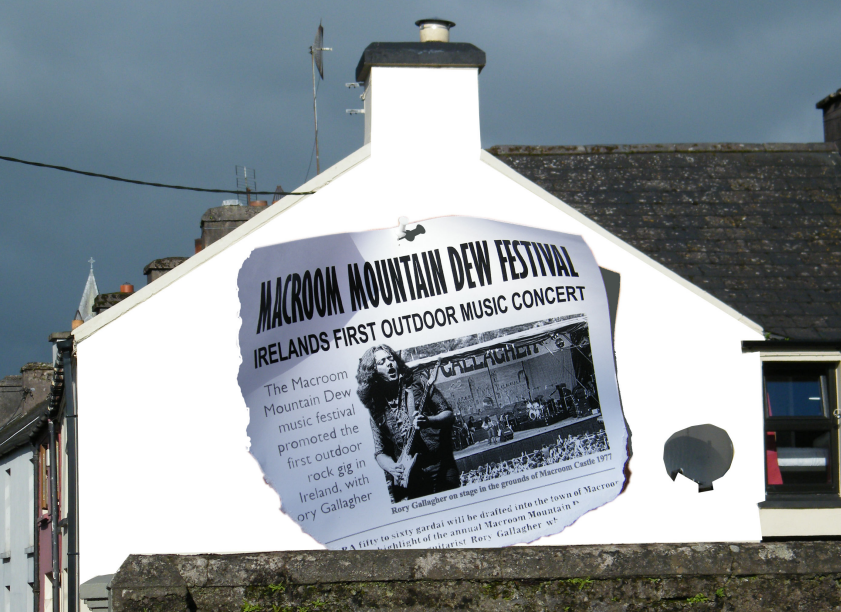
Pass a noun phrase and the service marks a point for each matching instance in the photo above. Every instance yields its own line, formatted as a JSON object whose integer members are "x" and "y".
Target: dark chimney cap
{"x": 828, "y": 100}
{"x": 421, "y": 55}
{"x": 229, "y": 213}
{"x": 163, "y": 265}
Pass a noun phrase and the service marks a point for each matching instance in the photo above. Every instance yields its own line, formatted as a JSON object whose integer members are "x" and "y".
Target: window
{"x": 801, "y": 428}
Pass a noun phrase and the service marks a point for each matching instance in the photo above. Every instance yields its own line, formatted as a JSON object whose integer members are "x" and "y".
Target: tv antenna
{"x": 316, "y": 51}
{"x": 247, "y": 182}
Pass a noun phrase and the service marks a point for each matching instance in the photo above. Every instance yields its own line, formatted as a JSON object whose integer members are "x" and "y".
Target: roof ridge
{"x": 630, "y": 149}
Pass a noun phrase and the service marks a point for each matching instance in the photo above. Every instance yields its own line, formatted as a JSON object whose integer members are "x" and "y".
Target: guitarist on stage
{"x": 392, "y": 394}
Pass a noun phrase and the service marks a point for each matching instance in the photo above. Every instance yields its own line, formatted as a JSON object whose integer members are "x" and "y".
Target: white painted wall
{"x": 17, "y": 515}
{"x": 163, "y": 454}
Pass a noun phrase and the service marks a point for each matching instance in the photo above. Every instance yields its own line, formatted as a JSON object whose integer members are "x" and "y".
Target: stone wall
{"x": 745, "y": 577}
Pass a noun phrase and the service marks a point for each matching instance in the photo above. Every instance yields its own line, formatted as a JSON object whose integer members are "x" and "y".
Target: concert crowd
{"x": 563, "y": 450}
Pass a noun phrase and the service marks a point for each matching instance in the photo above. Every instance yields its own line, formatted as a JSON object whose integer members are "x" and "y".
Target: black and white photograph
{"x": 483, "y": 406}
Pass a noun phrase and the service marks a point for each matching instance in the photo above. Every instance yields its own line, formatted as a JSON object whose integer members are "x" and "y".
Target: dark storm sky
{"x": 180, "y": 92}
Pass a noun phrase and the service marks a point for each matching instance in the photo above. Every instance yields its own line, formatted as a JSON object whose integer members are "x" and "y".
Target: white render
{"x": 163, "y": 459}
{"x": 17, "y": 530}
{"x": 800, "y": 522}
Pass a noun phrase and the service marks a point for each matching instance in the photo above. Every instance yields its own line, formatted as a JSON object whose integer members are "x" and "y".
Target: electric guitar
{"x": 407, "y": 458}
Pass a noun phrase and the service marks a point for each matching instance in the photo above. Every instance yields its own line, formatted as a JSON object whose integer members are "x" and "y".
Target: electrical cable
{"x": 165, "y": 186}
{"x": 312, "y": 155}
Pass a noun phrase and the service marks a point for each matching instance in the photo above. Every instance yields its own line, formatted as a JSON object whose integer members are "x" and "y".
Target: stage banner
{"x": 451, "y": 387}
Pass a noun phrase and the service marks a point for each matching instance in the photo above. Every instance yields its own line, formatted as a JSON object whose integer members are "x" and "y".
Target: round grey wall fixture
{"x": 702, "y": 453}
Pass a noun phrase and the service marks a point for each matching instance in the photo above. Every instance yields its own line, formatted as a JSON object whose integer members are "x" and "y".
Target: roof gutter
{"x": 790, "y": 346}
{"x": 66, "y": 386}
{"x": 56, "y": 513}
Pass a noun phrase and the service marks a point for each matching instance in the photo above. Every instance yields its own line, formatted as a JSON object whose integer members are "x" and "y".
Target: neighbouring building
{"x": 38, "y": 567}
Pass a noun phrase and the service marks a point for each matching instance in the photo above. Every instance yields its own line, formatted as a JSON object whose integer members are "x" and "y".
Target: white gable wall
{"x": 163, "y": 457}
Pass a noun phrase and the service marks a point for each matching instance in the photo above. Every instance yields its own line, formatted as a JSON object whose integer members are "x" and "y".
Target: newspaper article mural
{"x": 453, "y": 390}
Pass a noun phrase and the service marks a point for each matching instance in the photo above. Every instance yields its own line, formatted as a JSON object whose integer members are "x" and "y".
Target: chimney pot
{"x": 126, "y": 288}
{"x": 258, "y": 203}
{"x": 434, "y": 30}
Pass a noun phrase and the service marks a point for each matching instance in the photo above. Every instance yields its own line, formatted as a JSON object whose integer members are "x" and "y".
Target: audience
{"x": 572, "y": 447}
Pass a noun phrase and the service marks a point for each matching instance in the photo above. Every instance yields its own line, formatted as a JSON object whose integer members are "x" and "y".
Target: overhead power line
{"x": 125, "y": 180}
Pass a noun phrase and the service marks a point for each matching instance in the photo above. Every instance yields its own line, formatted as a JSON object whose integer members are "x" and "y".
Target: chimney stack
{"x": 220, "y": 221}
{"x": 104, "y": 301}
{"x": 157, "y": 268}
{"x": 831, "y": 107}
{"x": 415, "y": 89}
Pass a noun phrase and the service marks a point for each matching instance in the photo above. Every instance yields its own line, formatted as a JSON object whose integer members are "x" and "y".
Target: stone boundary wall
{"x": 745, "y": 577}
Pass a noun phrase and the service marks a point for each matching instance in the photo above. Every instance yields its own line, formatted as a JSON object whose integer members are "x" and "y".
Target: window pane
{"x": 798, "y": 457}
{"x": 797, "y": 395}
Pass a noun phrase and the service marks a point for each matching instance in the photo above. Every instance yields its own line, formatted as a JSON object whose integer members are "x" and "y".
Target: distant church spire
{"x": 85, "y": 311}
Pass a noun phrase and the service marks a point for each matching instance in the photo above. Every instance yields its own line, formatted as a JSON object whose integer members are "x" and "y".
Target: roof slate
{"x": 756, "y": 225}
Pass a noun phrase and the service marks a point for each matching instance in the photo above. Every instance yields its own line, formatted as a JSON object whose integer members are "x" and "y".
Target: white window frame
{"x": 804, "y": 515}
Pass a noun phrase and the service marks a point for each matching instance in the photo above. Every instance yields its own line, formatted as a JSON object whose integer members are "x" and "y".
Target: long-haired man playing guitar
{"x": 402, "y": 403}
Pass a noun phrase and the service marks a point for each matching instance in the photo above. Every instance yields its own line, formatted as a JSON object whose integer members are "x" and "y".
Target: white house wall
{"x": 17, "y": 529}
{"x": 163, "y": 461}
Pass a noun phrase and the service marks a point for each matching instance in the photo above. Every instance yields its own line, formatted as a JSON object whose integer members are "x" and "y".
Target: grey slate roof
{"x": 756, "y": 225}
{"x": 24, "y": 405}
{"x": 22, "y": 427}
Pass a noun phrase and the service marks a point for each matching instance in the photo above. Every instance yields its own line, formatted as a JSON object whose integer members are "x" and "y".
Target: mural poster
{"x": 452, "y": 388}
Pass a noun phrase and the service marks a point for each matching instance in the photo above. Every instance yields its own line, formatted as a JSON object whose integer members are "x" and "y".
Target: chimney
{"x": 422, "y": 98}
{"x": 21, "y": 393}
{"x": 36, "y": 383}
{"x": 104, "y": 301}
{"x": 831, "y": 107}
{"x": 222, "y": 220}
{"x": 11, "y": 397}
{"x": 157, "y": 268}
